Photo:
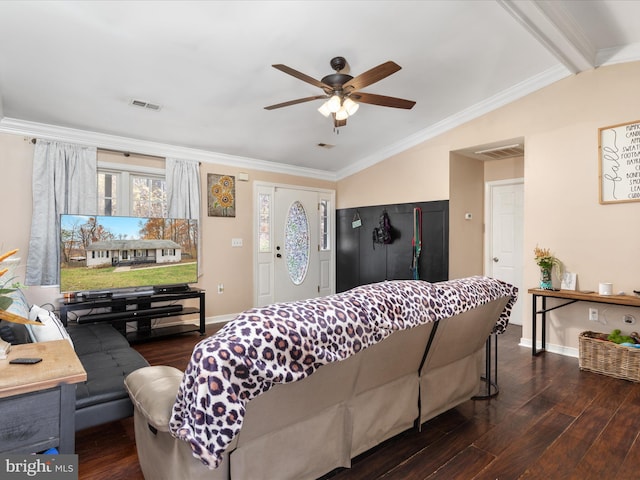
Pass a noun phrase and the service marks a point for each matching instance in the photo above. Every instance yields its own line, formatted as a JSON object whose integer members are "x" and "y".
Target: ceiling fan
{"x": 342, "y": 91}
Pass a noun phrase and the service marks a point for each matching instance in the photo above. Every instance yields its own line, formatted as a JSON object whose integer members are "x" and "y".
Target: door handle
{"x": 496, "y": 259}
{"x": 279, "y": 255}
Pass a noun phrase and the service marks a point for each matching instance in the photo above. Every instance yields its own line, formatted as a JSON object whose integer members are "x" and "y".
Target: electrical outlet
{"x": 593, "y": 314}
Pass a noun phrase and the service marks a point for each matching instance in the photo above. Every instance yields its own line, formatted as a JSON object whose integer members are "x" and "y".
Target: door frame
{"x": 323, "y": 193}
{"x": 488, "y": 218}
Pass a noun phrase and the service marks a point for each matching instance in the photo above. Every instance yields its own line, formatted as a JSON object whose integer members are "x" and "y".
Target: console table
{"x": 38, "y": 402}
{"x": 571, "y": 296}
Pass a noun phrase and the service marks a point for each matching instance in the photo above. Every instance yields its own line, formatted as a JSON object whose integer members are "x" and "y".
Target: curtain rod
{"x": 126, "y": 154}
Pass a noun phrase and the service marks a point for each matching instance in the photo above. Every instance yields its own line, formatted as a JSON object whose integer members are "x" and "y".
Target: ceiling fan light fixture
{"x": 342, "y": 114}
{"x": 324, "y": 109}
{"x": 334, "y": 103}
{"x": 337, "y": 88}
{"x": 350, "y": 106}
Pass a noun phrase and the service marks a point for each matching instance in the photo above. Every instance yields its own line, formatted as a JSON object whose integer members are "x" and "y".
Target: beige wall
{"x": 562, "y": 212}
{"x": 221, "y": 263}
{"x": 420, "y": 174}
{"x": 495, "y": 170}
{"x": 466, "y": 187}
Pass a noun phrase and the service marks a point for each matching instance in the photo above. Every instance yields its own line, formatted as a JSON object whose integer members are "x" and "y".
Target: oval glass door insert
{"x": 296, "y": 242}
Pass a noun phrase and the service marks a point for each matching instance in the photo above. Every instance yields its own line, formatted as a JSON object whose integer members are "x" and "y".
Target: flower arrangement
{"x": 544, "y": 258}
{"x": 546, "y": 261}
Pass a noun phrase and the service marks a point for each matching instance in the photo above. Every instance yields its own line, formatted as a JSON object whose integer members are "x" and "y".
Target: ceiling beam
{"x": 556, "y": 29}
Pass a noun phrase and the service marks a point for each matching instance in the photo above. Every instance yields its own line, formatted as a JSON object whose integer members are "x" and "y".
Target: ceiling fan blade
{"x": 294, "y": 102}
{"x": 372, "y": 76}
{"x": 301, "y": 76}
{"x": 382, "y": 100}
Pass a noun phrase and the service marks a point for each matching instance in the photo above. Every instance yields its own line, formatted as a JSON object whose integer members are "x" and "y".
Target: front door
{"x": 295, "y": 245}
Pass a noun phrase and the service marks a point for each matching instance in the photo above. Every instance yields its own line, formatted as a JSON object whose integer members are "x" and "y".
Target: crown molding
{"x": 505, "y": 97}
{"x": 144, "y": 147}
{"x": 622, "y": 54}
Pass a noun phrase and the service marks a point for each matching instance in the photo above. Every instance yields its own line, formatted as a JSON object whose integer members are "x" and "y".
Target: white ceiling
{"x": 78, "y": 65}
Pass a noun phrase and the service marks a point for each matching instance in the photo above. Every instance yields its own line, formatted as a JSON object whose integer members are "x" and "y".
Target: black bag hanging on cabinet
{"x": 382, "y": 233}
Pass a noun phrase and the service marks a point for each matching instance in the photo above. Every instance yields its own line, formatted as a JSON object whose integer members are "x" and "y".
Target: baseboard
{"x": 551, "y": 347}
{"x": 218, "y": 319}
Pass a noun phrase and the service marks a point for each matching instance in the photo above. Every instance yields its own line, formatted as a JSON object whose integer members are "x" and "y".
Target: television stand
{"x": 139, "y": 309}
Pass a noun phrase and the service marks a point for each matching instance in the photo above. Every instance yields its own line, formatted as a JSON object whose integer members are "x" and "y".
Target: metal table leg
{"x": 490, "y": 377}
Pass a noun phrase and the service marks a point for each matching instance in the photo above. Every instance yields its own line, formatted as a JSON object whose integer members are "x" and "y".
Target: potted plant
{"x": 6, "y": 287}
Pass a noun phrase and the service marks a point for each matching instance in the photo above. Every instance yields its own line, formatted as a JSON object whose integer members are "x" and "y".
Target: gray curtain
{"x": 64, "y": 181}
{"x": 183, "y": 194}
{"x": 183, "y": 188}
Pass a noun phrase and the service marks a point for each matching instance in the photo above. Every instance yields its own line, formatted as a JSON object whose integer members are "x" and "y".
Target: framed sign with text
{"x": 619, "y": 163}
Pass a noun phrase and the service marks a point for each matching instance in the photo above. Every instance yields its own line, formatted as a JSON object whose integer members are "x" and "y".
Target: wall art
{"x": 221, "y": 196}
{"x": 619, "y": 175}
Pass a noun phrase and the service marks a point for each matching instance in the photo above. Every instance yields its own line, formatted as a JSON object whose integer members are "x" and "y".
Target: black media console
{"x": 142, "y": 309}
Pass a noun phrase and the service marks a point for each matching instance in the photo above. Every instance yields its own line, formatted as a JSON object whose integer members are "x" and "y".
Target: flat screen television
{"x": 128, "y": 254}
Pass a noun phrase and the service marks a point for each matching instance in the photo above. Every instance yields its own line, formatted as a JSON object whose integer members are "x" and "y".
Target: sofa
{"x": 296, "y": 390}
{"x": 104, "y": 353}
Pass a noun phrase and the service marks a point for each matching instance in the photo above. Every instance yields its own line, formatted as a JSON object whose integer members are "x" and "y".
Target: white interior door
{"x": 504, "y": 252}
{"x": 295, "y": 244}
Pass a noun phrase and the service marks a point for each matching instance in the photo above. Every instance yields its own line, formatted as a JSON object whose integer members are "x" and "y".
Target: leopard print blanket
{"x": 286, "y": 342}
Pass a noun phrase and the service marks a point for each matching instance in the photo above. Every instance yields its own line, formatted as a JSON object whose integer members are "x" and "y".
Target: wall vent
{"x": 143, "y": 104}
{"x": 500, "y": 153}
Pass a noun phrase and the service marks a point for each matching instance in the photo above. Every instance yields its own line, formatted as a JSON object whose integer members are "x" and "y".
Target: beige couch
{"x": 304, "y": 429}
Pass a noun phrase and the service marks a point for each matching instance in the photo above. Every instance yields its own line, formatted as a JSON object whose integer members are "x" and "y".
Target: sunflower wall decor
{"x": 222, "y": 195}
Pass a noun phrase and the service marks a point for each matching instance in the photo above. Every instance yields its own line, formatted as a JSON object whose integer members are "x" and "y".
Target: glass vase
{"x": 545, "y": 278}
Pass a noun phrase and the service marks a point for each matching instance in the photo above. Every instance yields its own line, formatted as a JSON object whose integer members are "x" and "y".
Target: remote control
{"x": 25, "y": 361}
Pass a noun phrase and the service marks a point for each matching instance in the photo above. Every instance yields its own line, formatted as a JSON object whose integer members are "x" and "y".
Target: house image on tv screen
{"x": 132, "y": 252}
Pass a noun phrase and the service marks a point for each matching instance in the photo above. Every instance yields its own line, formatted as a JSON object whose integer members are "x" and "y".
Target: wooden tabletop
{"x": 59, "y": 364}
{"x": 628, "y": 300}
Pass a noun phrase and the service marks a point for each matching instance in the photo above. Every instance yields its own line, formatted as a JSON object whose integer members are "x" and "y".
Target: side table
{"x": 38, "y": 401}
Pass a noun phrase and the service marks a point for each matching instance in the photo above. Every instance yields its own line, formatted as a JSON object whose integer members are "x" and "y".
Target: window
{"x": 296, "y": 243}
{"x": 324, "y": 225}
{"x": 148, "y": 196}
{"x": 130, "y": 190}
{"x": 107, "y": 192}
{"x": 264, "y": 218}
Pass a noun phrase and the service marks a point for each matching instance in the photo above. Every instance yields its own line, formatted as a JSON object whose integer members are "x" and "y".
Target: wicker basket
{"x": 608, "y": 358}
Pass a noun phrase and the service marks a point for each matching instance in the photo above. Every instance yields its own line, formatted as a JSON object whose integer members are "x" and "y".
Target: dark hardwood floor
{"x": 549, "y": 421}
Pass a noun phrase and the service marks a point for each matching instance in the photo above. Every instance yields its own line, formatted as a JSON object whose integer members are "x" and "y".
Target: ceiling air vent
{"x": 500, "y": 153}
{"x": 143, "y": 104}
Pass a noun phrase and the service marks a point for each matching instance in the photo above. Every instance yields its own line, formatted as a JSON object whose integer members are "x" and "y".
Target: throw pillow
{"x": 7, "y": 334}
{"x": 51, "y": 328}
